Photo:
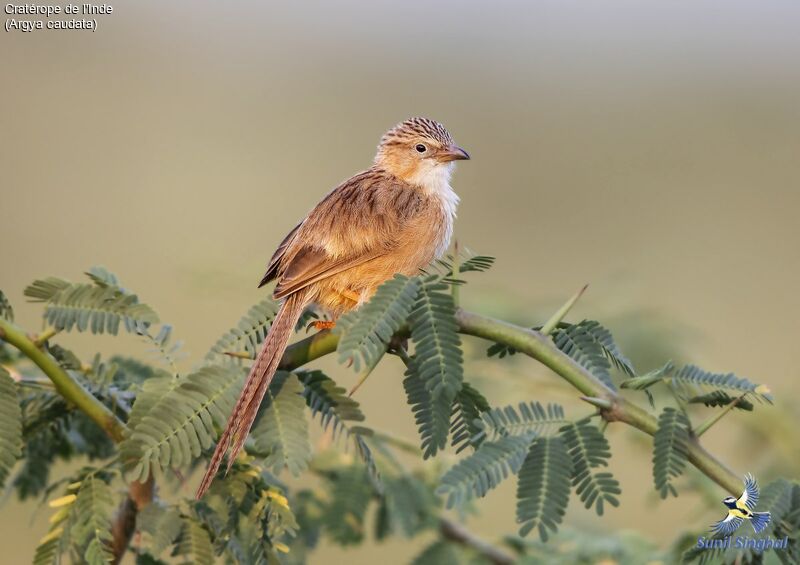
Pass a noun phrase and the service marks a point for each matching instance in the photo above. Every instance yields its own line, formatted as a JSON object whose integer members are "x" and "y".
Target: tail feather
{"x": 759, "y": 521}
{"x": 258, "y": 380}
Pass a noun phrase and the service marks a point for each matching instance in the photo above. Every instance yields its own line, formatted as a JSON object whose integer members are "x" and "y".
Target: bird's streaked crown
{"x": 414, "y": 128}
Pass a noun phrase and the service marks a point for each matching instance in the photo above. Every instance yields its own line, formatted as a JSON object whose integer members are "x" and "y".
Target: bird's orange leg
{"x": 347, "y": 296}
{"x": 321, "y": 325}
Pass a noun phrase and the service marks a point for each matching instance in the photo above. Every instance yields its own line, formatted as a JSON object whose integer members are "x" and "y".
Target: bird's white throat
{"x": 434, "y": 178}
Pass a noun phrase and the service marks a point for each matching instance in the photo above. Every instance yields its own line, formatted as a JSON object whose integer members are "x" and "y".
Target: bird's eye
{"x": 421, "y": 148}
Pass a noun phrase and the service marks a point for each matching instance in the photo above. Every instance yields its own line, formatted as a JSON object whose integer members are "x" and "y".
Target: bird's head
{"x": 728, "y": 500}
{"x": 419, "y": 151}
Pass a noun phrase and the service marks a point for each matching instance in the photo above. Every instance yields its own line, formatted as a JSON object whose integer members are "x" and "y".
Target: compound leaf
{"x": 281, "y": 430}
{"x": 490, "y": 464}
{"x": 589, "y": 450}
{"x": 10, "y": 425}
{"x": 670, "y": 449}
{"x": 544, "y": 486}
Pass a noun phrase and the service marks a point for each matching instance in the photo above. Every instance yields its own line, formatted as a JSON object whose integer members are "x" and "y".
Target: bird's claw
{"x": 320, "y": 325}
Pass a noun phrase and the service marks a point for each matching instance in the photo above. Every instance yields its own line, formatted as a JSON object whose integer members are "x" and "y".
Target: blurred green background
{"x": 651, "y": 149}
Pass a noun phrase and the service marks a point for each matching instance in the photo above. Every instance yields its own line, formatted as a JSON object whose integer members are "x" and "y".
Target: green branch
{"x": 542, "y": 349}
{"x": 308, "y": 349}
{"x": 457, "y": 533}
{"x": 66, "y": 386}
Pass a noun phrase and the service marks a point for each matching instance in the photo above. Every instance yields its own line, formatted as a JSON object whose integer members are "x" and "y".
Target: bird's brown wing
{"x": 275, "y": 261}
{"x": 356, "y": 222}
{"x": 311, "y": 265}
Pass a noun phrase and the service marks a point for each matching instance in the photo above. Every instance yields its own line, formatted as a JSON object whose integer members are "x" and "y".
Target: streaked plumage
{"x": 395, "y": 217}
{"x": 741, "y": 509}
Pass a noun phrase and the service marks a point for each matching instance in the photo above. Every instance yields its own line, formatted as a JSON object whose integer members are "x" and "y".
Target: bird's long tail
{"x": 258, "y": 380}
{"x": 759, "y": 520}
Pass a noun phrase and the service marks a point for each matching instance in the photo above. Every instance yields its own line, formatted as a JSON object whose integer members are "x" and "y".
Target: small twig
{"x": 705, "y": 426}
{"x": 456, "y": 272}
{"x": 364, "y": 375}
{"x": 457, "y": 533}
{"x": 398, "y": 342}
{"x": 42, "y": 338}
{"x": 33, "y": 383}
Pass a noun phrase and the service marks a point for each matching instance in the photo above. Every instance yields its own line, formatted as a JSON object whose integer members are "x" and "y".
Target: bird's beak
{"x": 452, "y": 153}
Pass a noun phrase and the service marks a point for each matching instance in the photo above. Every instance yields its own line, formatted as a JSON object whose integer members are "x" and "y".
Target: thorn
{"x": 42, "y": 338}
{"x": 553, "y": 322}
{"x": 601, "y": 403}
{"x": 361, "y": 381}
{"x": 355, "y": 388}
{"x": 367, "y": 372}
{"x": 238, "y": 354}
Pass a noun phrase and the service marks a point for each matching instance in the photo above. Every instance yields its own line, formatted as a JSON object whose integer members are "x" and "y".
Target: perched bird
{"x": 395, "y": 217}
{"x": 742, "y": 508}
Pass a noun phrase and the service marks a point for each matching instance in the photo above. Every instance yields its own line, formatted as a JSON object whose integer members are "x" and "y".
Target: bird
{"x": 393, "y": 218}
{"x": 741, "y": 509}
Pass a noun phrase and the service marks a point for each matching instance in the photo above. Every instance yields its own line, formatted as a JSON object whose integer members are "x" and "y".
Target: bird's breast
{"x": 447, "y": 203}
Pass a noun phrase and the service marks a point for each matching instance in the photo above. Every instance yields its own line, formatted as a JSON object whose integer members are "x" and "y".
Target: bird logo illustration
{"x": 741, "y": 509}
